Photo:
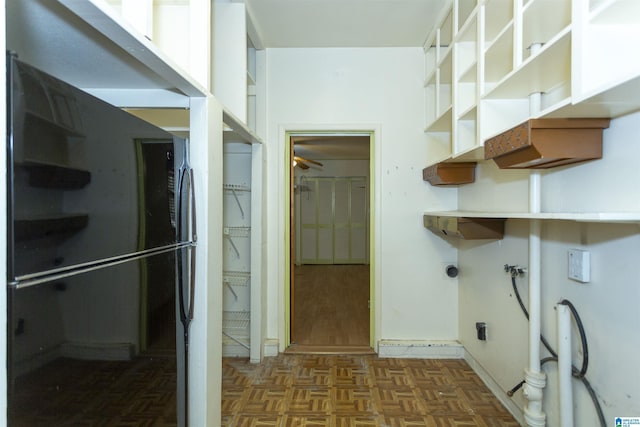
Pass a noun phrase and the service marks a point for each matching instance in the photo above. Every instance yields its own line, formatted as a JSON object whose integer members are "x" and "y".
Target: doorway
{"x": 329, "y": 262}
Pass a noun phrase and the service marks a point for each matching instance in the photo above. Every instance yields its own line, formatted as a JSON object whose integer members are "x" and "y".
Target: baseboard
{"x": 493, "y": 386}
{"x": 420, "y": 349}
{"x": 270, "y": 348}
{"x": 97, "y": 351}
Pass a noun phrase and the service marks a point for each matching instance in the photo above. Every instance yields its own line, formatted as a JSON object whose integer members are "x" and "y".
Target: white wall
{"x": 607, "y": 304}
{"x": 366, "y": 89}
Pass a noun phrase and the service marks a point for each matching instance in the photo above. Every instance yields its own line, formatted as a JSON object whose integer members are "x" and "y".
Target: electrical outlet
{"x": 481, "y": 331}
{"x": 448, "y": 270}
{"x": 579, "y": 265}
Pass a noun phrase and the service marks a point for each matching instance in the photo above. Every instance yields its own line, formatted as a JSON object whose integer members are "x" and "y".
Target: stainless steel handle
{"x": 194, "y": 239}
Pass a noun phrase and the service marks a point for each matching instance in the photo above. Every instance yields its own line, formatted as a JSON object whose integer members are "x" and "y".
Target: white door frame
{"x": 375, "y": 223}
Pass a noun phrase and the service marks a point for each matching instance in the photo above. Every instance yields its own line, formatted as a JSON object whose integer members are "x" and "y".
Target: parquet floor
{"x": 75, "y": 393}
{"x": 357, "y": 391}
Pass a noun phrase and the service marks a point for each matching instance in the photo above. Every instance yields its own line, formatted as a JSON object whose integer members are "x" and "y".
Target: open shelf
{"x": 607, "y": 217}
{"x": 540, "y": 26}
{"x": 442, "y": 123}
{"x": 499, "y": 57}
{"x": 550, "y": 68}
{"x": 469, "y": 228}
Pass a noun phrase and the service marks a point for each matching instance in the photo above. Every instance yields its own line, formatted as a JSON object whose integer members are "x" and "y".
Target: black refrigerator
{"x": 101, "y": 250}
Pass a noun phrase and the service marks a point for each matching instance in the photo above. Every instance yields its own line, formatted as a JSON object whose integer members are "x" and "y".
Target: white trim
{"x": 495, "y": 388}
{"x": 270, "y": 348}
{"x": 422, "y": 349}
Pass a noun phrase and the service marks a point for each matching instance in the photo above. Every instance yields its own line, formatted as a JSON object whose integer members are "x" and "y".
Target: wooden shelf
{"x": 450, "y": 173}
{"x": 546, "y": 143}
{"x": 468, "y": 228}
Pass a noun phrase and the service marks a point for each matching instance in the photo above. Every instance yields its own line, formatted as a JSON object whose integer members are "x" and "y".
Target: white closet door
{"x": 333, "y": 221}
{"x": 307, "y": 229}
{"x": 342, "y": 207}
{"x": 325, "y": 221}
{"x": 358, "y": 227}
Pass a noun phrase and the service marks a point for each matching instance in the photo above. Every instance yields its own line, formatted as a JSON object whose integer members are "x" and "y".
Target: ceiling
{"x": 343, "y": 23}
{"x": 331, "y": 147}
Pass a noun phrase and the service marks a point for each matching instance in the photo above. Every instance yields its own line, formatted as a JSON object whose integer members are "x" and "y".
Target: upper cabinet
{"x": 491, "y": 65}
{"x": 236, "y": 73}
{"x": 89, "y": 45}
{"x": 176, "y": 27}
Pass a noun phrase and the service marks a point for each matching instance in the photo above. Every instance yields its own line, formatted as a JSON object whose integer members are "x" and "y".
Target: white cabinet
{"x": 179, "y": 28}
{"x": 234, "y": 66}
{"x": 491, "y": 65}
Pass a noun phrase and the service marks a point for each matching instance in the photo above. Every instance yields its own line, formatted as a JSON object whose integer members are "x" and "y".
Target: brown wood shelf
{"x": 468, "y": 228}
{"x": 547, "y": 143}
{"x": 452, "y": 173}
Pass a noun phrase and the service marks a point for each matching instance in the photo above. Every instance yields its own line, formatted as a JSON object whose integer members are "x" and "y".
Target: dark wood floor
{"x": 68, "y": 392}
{"x": 357, "y": 391}
{"x": 331, "y": 306}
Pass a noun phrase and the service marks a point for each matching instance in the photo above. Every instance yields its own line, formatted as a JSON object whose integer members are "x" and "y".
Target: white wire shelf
{"x": 236, "y": 278}
{"x": 237, "y": 231}
{"x": 235, "y": 322}
{"x": 236, "y": 187}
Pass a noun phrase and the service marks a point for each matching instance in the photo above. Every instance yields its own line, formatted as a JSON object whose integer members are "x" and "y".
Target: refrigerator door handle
{"x": 187, "y": 301}
{"x": 194, "y": 239}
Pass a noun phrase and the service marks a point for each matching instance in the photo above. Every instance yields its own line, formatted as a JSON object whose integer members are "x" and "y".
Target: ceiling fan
{"x": 303, "y": 163}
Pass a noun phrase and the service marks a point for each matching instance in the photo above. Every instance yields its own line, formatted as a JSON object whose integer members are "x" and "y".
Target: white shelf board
{"x": 613, "y": 102}
{"x": 86, "y": 44}
{"x": 621, "y": 12}
{"x": 568, "y": 216}
{"x": 441, "y": 123}
{"x": 472, "y": 154}
{"x": 236, "y": 131}
{"x": 435, "y": 161}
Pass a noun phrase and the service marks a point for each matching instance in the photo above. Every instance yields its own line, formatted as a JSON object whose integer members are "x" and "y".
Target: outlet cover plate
{"x": 579, "y": 265}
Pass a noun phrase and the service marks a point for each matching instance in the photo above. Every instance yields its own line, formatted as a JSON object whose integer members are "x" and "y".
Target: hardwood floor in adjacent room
{"x": 295, "y": 390}
{"x": 331, "y": 307}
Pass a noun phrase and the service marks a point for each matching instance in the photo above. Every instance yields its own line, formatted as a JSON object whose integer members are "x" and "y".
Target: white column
{"x": 205, "y": 358}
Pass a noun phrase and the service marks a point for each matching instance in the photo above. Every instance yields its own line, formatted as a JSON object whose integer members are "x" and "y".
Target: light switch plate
{"x": 579, "y": 265}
